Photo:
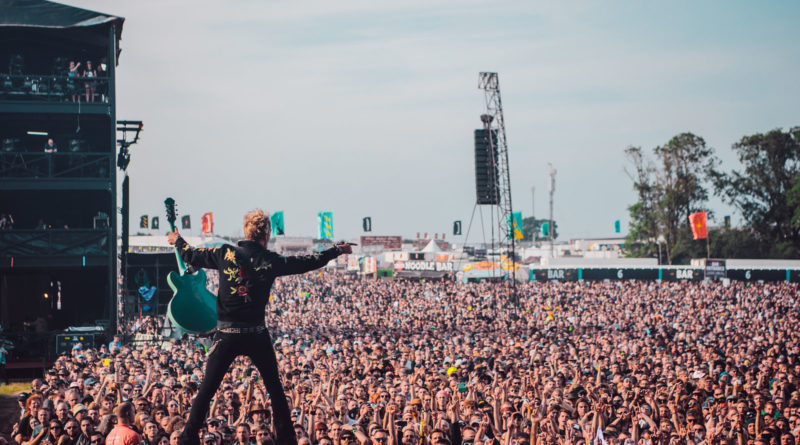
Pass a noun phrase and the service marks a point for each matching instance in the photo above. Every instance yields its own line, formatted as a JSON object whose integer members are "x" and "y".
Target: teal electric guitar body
{"x": 192, "y": 308}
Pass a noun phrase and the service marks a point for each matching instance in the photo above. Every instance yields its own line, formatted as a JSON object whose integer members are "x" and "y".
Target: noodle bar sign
{"x": 437, "y": 266}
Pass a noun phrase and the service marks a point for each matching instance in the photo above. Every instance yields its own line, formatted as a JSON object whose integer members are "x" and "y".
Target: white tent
{"x": 432, "y": 247}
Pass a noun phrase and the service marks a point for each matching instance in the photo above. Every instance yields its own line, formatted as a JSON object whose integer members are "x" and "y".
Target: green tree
{"x": 644, "y": 226}
{"x": 737, "y": 243}
{"x": 767, "y": 189}
{"x": 669, "y": 189}
{"x": 794, "y": 201}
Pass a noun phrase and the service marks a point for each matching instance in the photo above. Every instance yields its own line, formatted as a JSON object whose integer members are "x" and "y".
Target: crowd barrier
{"x": 663, "y": 273}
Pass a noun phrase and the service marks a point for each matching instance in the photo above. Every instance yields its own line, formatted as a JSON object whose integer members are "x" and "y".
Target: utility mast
{"x": 551, "y": 187}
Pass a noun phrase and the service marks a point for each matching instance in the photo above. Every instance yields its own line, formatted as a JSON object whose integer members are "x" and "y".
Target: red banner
{"x": 208, "y": 223}
{"x": 699, "y": 227}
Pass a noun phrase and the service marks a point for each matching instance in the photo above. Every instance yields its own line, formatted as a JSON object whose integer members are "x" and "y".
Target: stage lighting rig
{"x": 124, "y": 156}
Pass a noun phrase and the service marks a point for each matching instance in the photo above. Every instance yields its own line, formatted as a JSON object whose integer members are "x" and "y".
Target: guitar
{"x": 192, "y": 307}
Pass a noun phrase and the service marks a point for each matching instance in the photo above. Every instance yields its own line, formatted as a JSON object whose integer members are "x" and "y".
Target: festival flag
{"x": 325, "y": 225}
{"x": 617, "y": 226}
{"x": 208, "y": 223}
{"x": 544, "y": 229}
{"x": 698, "y": 222}
{"x": 276, "y": 221}
{"x": 515, "y": 225}
{"x": 456, "y": 228}
{"x": 186, "y": 222}
{"x": 154, "y": 223}
{"x": 143, "y": 222}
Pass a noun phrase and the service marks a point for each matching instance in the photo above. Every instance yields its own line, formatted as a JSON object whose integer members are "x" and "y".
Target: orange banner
{"x": 208, "y": 223}
{"x": 699, "y": 227}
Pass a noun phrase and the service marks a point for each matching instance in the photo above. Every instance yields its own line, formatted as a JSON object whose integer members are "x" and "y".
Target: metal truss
{"x": 490, "y": 85}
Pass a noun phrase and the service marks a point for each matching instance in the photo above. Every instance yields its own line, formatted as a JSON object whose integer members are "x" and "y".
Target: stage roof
{"x": 42, "y": 14}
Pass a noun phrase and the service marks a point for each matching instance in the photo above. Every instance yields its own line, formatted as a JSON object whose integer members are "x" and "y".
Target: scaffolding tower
{"x": 493, "y": 121}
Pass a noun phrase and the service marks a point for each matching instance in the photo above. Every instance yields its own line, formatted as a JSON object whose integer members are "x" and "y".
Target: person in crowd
{"x": 3, "y": 361}
{"x": 63, "y": 412}
{"x": 55, "y": 431}
{"x": 242, "y": 435}
{"x": 50, "y": 146}
{"x": 29, "y": 414}
{"x": 123, "y": 433}
{"x": 115, "y": 345}
{"x": 22, "y": 400}
{"x": 102, "y": 87}
{"x": 438, "y": 362}
{"x": 96, "y": 438}
{"x": 87, "y": 430}
{"x": 6, "y": 221}
{"x": 72, "y": 75}
{"x": 151, "y": 431}
{"x": 72, "y": 432}
{"x": 91, "y": 84}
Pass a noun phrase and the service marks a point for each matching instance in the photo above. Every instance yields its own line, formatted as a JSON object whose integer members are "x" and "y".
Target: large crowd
{"x": 404, "y": 362}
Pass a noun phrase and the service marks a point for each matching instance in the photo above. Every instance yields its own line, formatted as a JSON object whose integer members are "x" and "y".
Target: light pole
{"x": 551, "y": 188}
{"x": 123, "y": 159}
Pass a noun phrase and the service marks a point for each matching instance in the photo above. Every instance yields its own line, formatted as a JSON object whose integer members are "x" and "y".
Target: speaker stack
{"x": 486, "y": 181}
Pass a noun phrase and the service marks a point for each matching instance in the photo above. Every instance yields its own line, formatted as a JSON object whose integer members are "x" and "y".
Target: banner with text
{"x": 436, "y": 266}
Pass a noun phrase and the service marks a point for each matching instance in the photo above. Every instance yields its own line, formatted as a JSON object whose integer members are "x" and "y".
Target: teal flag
{"x": 325, "y": 225}
{"x": 617, "y": 226}
{"x": 545, "y": 229}
{"x": 276, "y": 221}
{"x": 515, "y": 225}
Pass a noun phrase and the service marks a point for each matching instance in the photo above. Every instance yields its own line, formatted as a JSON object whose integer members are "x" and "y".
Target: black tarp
{"x": 42, "y": 14}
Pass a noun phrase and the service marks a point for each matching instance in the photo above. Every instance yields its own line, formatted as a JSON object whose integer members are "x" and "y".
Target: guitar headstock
{"x": 169, "y": 203}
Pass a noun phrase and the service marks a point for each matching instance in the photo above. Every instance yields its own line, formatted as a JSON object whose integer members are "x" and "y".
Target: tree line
{"x": 677, "y": 179}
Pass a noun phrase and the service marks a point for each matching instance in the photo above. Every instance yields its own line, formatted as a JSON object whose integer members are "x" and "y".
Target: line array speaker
{"x": 486, "y": 174}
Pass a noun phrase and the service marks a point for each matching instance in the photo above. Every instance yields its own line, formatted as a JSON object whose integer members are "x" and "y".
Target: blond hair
{"x": 256, "y": 225}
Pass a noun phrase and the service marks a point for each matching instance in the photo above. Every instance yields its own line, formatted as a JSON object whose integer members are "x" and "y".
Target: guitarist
{"x": 246, "y": 274}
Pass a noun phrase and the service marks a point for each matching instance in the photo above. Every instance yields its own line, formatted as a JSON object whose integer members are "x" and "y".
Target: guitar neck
{"x": 181, "y": 263}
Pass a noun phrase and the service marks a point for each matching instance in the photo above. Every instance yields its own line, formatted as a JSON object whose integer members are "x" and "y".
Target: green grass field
{"x": 14, "y": 388}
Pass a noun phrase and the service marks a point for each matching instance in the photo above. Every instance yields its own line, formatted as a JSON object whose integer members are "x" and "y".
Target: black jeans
{"x": 225, "y": 349}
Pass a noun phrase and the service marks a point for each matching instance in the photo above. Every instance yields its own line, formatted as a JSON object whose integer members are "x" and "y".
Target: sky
{"x": 367, "y": 108}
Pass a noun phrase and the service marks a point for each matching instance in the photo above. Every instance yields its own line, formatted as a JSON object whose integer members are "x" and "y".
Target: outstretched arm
{"x": 200, "y": 258}
{"x": 290, "y": 265}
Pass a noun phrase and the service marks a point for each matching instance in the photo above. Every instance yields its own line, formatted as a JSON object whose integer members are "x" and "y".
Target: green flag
{"x": 276, "y": 221}
{"x": 545, "y": 229}
{"x": 325, "y": 225}
{"x": 515, "y": 225}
